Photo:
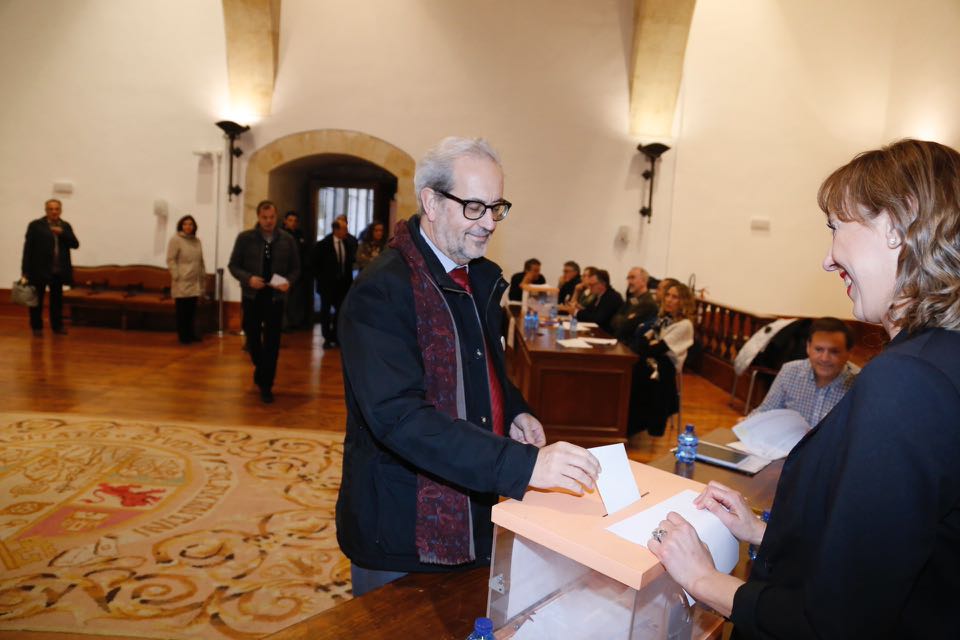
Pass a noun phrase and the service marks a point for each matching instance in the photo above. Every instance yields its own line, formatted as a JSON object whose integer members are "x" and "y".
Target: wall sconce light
{"x": 233, "y": 131}
{"x": 653, "y": 151}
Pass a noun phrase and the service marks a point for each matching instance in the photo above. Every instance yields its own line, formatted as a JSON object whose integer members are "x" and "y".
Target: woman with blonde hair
{"x": 864, "y": 534}
{"x": 663, "y": 350}
{"x": 187, "y": 274}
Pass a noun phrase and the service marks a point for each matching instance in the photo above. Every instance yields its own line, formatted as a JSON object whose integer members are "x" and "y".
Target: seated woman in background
{"x": 864, "y": 535}
{"x": 187, "y": 275}
{"x": 662, "y": 349}
{"x": 530, "y": 275}
{"x": 373, "y": 240}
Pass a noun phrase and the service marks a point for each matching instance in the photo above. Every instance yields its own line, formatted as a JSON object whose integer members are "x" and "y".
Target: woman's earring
{"x": 893, "y": 242}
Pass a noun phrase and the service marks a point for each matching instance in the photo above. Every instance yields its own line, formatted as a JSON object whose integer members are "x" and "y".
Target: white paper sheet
{"x": 580, "y": 327}
{"x": 277, "y": 280}
{"x": 541, "y": 288}
{"x": 603, "y": 341}
{"x": 723, "y": 546}
{"x": 575, "y": 343}
{"x": 771, "y": 434}
{"x": 616, "y": 484}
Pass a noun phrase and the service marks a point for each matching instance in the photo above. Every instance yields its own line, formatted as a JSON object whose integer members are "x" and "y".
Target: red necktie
{"x": 462, "y": 278}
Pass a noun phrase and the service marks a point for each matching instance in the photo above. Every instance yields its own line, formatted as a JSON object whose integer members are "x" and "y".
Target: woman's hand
{"x": 732, "y": 510}
{"x": 680, "y": 550}
{"x": 689, "y": 563}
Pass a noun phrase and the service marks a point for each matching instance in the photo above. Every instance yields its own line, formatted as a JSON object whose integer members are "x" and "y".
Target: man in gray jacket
{"x": 266, "y": 261}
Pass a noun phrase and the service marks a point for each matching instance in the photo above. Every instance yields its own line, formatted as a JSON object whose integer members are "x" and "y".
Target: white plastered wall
{"x": 115, "y": 97}
{"x": 776, "y": 95}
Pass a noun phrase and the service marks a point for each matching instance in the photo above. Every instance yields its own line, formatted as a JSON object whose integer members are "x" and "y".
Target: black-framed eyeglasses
{"x": 474, "y": 209}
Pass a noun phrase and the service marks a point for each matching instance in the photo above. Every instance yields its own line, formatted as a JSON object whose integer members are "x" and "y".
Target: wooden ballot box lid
{"x": 576, "y": 527}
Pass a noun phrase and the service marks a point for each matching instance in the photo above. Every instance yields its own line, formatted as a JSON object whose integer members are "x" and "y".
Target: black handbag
{"x": 24, "y": 294}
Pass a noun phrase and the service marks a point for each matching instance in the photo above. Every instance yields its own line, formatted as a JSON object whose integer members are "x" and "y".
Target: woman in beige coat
{"x": 187, "y": 274}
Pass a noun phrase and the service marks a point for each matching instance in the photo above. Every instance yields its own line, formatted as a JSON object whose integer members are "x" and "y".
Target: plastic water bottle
{"x": 527, "y": 320}
{"x": 536, "y": 321}
{"x": 482, "y": 630}
{"x": 573, "y": 325}
{"x": 561, "y": 332}
{"x": 752, "y": 549}
{"x": 553, "y": 314}
{"x": 687, "y": 445}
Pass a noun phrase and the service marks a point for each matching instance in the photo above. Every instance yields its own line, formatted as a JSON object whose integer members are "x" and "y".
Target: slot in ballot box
{"x": 556, "y": 571}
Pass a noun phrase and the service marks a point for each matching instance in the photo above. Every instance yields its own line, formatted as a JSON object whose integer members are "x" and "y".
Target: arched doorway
{"x": 295, "y": 146}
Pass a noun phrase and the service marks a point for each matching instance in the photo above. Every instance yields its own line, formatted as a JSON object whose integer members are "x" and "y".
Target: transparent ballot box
{"x": 558, "y": 572}
{"x": 539, "y": 593}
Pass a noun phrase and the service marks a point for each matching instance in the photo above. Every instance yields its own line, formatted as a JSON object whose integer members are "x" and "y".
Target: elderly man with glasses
{"x": 435, "y": 430}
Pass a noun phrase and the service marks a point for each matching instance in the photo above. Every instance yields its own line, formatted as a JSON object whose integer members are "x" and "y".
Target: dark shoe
{"x": 60, "y": 331}
{"x": 266, "y": 395}
{"x": 329, "y": 344}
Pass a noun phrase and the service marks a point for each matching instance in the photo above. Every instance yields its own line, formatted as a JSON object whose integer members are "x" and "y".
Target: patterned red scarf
{"x": 444, "y": 529}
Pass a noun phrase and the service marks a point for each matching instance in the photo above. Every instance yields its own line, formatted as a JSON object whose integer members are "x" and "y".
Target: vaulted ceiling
{"x": 661, "y": 28}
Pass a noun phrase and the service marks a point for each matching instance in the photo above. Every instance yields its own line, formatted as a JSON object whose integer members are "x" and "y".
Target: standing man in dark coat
{"x": 300, "y": 297}
{"x": 333, "y": 259}
{"x": 46, "y": 263}
{"x": 435, "y": 430}
{"x": 266, "y": 261}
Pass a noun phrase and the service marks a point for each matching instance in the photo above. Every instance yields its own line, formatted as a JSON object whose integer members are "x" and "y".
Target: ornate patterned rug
{"x": 166, "y": 530}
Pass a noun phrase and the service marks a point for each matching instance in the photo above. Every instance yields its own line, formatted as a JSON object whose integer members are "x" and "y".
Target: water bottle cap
{"x": 483, "y": 626}
{"x": 689, "y": 428}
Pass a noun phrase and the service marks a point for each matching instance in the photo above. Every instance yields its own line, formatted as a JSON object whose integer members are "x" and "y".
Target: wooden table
{"x": 580, "y": 395}
{"x": 757, "y": 489}
{"x": 425, "y": 607}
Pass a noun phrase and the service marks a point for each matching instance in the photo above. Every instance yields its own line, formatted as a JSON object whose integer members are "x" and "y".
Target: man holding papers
{"x": 265, "y": 260}
{"x": 814, "y": 386}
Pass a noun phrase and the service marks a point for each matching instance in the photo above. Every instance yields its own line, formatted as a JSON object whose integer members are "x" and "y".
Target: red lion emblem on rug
{"x": 128, "y": 497}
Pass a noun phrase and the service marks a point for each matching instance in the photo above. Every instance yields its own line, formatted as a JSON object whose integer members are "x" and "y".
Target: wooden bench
{"x": 104, "y": 294}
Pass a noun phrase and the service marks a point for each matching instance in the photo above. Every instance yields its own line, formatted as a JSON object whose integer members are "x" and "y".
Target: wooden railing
{"x": 722, "y": 330}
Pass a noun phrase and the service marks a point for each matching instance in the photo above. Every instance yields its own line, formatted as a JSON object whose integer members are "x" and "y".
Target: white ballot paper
{"x": 616, "y": 484}
{"x": 603, "y": 341}
{"x": 575, "y": 343}
{"x": 580, "y": 327}
{"x": 277, "y": 280}
{"x": 540, "y": 288}
{"x": 771, "y": 434}
{"x": 723, "y": 546}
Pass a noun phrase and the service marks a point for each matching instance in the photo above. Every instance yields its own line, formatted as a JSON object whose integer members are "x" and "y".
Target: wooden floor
{"x": 140, "y": 374}
{"x": 135, "y": 374}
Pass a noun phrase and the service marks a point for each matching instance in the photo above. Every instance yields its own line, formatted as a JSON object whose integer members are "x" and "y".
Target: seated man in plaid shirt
{"x": 812, "y": 387}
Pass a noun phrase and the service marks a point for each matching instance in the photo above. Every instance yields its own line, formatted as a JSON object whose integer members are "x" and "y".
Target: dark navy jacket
{"x": 37, "y": 261}
{"x": 393, "y": 432}
{"x": 864, "y": 535}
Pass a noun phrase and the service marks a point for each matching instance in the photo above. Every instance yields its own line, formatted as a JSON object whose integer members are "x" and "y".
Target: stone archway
{"x": 311, "y": 143}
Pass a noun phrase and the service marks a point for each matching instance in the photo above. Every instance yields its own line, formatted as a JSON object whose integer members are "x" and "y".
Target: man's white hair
{"x": 435, "y": 169}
